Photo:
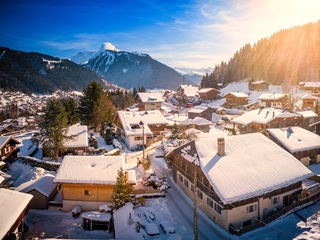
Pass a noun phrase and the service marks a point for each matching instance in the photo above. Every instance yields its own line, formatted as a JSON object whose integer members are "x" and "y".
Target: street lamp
{"x": 142, "y": 124}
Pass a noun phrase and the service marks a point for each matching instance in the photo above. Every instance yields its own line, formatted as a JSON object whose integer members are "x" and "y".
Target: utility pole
{"x": 195, "y": 208}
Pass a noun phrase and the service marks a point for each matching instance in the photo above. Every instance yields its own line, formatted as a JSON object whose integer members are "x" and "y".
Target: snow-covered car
{"x": 167, "y": 227}
{"x": 138, "y": 147}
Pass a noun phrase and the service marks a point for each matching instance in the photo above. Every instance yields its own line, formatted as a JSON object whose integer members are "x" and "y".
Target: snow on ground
{"x": 176, "y": 209}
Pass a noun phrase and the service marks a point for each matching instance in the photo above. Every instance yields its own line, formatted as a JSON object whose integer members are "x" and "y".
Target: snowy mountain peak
{"x": 108, "y": 46}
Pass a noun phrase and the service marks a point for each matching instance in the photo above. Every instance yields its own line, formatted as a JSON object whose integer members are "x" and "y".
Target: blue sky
{"x": 178, "y": 33}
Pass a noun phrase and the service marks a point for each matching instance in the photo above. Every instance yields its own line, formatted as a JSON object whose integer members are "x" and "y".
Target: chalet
{"x": 43, "y": 190}
{"x": 313, "y": 87}
{"x": 308, "y": 118}
{"x": 188, "y": 91}
{"x": 262, "y": 118}
{"x": 241, "y": 180}
{"x": 76, "y": 142}
{"x": 14, "y": 207}
{"x": 8, "y": 149}
{"x": 259, "y": 86}
{"x": 235, "y": 99}
{"x": 309, "y": 101}
{"x": 208, "y": 94}
{"x": 200, "y": 111}
{"x": 201, "y": 124}
{"x": 149, "y": 101}
{"x": 142, "y": 127}
{"x": 277, "y": 100}
{"x": 301, "y": 143}
{"x": 87, "y": 181}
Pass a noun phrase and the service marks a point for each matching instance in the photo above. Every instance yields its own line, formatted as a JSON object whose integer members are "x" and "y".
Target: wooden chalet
{"x": 147, "y": 101}
{"x": 139, "y": 127}
{"x": 277, "y": 100}
{"x": 301, "y": 143}
{"x": 14, "y": 208}
{"x": 208, "y": 94}
{"x": 8, "y": 149}
{"x": 263, "y": 118}
{"x": 313, "y": 87}
{"x": 235, "y": 99}
{"x": 259, "y": 86}
{"x": 76, "y": 142}
{"x": 87, "y": 181}
{"x": 200, "y": 111}
{"x": 231, "y": 186}
{"x": 309, "y": 102}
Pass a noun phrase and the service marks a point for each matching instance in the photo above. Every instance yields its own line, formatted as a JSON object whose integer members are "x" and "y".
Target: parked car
{"x": 138, "y": 147}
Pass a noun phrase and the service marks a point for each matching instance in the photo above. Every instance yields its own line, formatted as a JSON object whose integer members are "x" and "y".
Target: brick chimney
{"x": 221, "y": 147}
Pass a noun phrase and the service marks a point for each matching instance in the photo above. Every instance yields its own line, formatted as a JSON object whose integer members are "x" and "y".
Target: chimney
{"x": 221, "y": 147}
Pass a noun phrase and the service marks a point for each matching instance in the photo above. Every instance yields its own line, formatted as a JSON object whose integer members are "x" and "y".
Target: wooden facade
{"x": 8, "y": 149}
{"x": 208, "y": 94}
{"x": 234, "y": 214}
{"x": 283, "y": 102}
{"x": 235, "y": 100}
{"x": 259, "y": 86}
{"x": 206, "y": 113}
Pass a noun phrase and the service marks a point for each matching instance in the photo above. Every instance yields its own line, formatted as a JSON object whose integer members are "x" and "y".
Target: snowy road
{"x": 181, "y": 208}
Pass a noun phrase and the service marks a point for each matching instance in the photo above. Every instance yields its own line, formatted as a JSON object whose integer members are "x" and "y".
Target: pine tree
{"x": 70, "y": 106}
{"x": 88, "y": 102}
{"x": 53, "y": 127}
{"x": 121, "y": 190}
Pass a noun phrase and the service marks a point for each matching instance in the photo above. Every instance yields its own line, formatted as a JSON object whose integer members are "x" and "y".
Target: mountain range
{"x": 31, "y": 72}
{"x": 130, "y": 70}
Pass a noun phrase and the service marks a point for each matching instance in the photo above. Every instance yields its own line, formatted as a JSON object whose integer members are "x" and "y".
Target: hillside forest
{"x": 285, "y": 58}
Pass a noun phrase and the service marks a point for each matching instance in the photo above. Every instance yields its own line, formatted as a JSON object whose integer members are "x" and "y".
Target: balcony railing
{"x": 292, "y": 207}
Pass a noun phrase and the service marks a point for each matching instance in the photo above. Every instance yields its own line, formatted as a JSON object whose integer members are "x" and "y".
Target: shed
{"x": 43, "y": 189}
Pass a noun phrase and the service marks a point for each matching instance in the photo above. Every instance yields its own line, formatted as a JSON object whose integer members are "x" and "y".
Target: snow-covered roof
{"x": 12, "y": 205}
{"x": 130, "y": 121}
{"x": 309, "y": 96}
{"x": 312, "y": 84}
{"x": 271, "y": 96}
{"x": 259, "y": 82}
{"x": 43, "y": 184}
{"x": 237, "y": 94}
{"x": 96, "y": 216}
{"x": 190, "y": 91}
{"x": 259, "y": 115}
{"x": 5, "y": 139}
{"x": 125, "y": 223}
{"x": 252, "y": 165}
{"x": 201, "y": 121}
{"x": 205, "y": 90}
{"x": 308, "y": 114}
{"x": 147, "y": 97}
{"x": 296, "y": 139}
{"x": 90, "y": 169}
{"x": 79, "y": 135}
{"x": 198, "y": 109}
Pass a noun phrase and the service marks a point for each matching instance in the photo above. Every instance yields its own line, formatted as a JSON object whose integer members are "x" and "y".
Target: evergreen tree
{"x": 70, "y": 106}
{"x": 121, "y": 190}
{"x": 53, "y": 128}
{"x": 175, "y": 132}
{"x": 88, "y": 103}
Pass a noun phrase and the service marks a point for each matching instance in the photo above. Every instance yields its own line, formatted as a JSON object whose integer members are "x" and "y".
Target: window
{"x": 217, "y": 207}
{"x": 137, "y": 138}
{"x": 200, "y": 194}
{"x": 252, "y": 208}
{"x": 180, "y": 178}
{"x": 186, "y": 182}
{"x": 275, "y": 200}
{"x": 88, "y": 192}
{"x": 192, "y": 187}
{"x": 209, "y": 202}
